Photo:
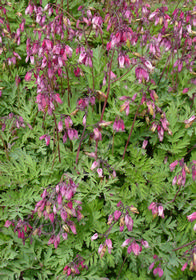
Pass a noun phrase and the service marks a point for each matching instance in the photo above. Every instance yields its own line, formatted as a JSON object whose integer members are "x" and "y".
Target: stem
{"x": 68, "y": 87}
{"x": 113, "y": 144}
{"x": 68, "y": 6}
{"x": 131, "y": 129}
{"x": 117, "y": 79}
{"x": 167, "y": 63}
{"x": 91, "y": 56}
{"x": 64, "y": 11}
{"x": 171, "y": 201}
{"x": 105, "y": 235}
{"x": 108, "y": 90}
{"x": 81, "y": 139}
{"x": 191, "y": 149}
{"x": 58, "y": 148}
{"x": 6, "y": 151}
{"x": 121, "y": 268}
{"x": 185, "y": 245}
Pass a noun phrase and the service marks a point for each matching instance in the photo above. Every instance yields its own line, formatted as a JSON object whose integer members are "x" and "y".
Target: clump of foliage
{"x": 98, "y": 153}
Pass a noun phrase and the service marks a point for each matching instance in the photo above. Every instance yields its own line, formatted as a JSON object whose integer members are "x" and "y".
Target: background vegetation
{"x": 97, "y": 140}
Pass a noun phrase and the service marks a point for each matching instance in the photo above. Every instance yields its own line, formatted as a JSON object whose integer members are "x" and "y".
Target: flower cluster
{"x": 192, "y": 218}
{"x": 105, "y": 165}
{"x": 74, "y": 267}
{"x": 158, "y": 270}
{"x": 123, "y": 216}
{"x": 69, "y": 131}
{"x": 180, "y": 178}
{"x": 157, "y": 209}
{"x": 190, "y": 256}
{"x": 135, "y": 247}
{"x": 59, "y": 201}
{"x": 21, "y": 226}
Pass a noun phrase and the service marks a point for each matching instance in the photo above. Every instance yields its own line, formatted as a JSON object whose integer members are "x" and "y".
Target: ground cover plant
{"x": 97, "y": 140}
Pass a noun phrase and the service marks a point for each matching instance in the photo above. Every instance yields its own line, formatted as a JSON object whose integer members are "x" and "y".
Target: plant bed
{"x": 98, "y": 153}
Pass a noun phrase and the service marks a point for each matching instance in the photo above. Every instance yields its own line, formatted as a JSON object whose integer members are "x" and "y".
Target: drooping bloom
{"x": 28, "y": 76}
{"x": 129, "y": 222}
{"x": 118, "y": 125}
{"x": 173, "y": 165}
{"x": 108, "y": 242}
{"x": 136, "y": 248}
{"x": 117, "y": 214}
{"x": 151, "y": 266}
{"x": 94, "y": 237}
{"x": 126, "y": 242}
{"x": 192, "y": 217}
{"x": 160, "y": 211}
{"x": 141, "y": 74}
{"x": 7, "y": 223}
{"x": 158, "y": 271}
{"x": 100, "y": 172}
{"x": 184, "y": 266}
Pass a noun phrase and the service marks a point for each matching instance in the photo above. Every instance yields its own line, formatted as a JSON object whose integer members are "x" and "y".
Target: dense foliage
{"x": 97, "y": 140}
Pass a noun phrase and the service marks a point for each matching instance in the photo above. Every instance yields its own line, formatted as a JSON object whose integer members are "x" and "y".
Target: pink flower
{"x": 56, "y": 241}
{"x": 28, "y": 76}
{"x": 100, "y": 172}
{"x": 126, "y": 242}
{"x": 145, "y": 243}
{"x": 160, "y": 133}
{"x": 192, "y": 217}
{"x": 117, "y": 214}
{"x": 73, "y": 228}
{"x": 165, "y": 124}
{"x": 94, "y": 165}
{"x": 145, "y": 143}
{"x": 97, "y": 134}
{"x": 153, "y": 127}
{"x": 121, "y": 61}
{"x": 129, "y": 249}
{"x": 57, "y": 98}
{"x": 47, "y": 139}
{"x": 173, "y": 165}
{"x": 60, "y": 126}
{"x": 7, "y": 223}
{"x": 129, "y": 222}
{"x": 136, "y": 248}
{"x": 51, "y": 217}
{"x": 109, "y": 244}
{"x": 158, "y": 271}
{"x": 174, "y": 180}
{"x": 141, "y": 74}
{"x": 110, "y": 219}
{"x": 63, "y": 215}
{"x": 94, "y": 237}
{"x": 190, "y": 120}
{"x": 72, "y": 133}
{"x": 64, "y": 235}
{"x": 59, "y": 199}
{"x": 160, "y": 211}
{"x": 153, "y": 207}
{"x": 185, "y": 90}
{"x": 100, "y": 250}
{"x": 184, "y": 266}
{"x": 118, "y": 125}
{"x": 151, "y": 266}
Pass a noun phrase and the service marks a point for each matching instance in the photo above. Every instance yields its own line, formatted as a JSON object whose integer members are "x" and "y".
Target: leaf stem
{"x": 131, "y": 129}
{"x": 108, "y": 90}
{"x": 58, "y": 148}
{"x": 185, "y": 245}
